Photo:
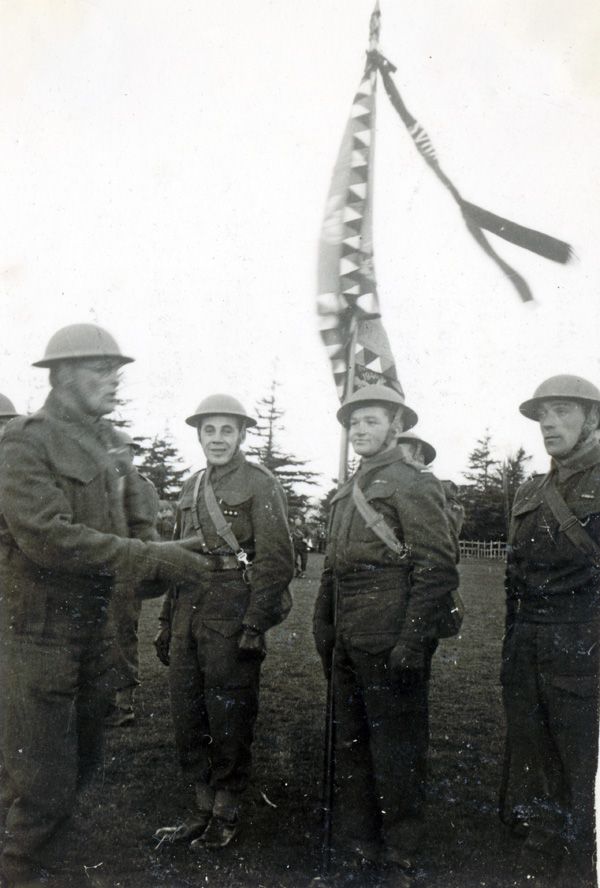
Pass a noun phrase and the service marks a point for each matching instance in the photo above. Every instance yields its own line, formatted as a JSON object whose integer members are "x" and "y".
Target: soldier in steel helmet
{"x": 142, "y": 504}
{"x": 64, "y": 541}
{"x": 212, "y": 633}
{"x": 7, "y": 412}
{"x": 551, "y": 655}
{"x": 375, "y": 624}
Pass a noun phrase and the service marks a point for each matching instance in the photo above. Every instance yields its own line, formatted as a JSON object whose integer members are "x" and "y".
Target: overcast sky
{"x": 165, "y": 169}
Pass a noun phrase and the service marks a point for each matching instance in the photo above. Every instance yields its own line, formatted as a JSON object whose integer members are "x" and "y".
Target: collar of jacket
{"x": 93, "y": 434}
{"x": 59, "y": 407}
{"x": 574, "y": 463}
{"x": 368, "y": 465}
{"x": 219, "y": 472}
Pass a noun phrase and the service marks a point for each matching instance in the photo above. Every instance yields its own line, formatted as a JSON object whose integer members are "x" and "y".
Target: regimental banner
{"x": 347, "y": 304}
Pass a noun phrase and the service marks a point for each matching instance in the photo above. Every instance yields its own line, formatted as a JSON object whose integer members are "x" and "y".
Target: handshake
{"x": 159, "y": 565}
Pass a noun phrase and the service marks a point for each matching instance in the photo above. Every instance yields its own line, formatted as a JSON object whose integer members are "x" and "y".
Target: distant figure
{"x": 551, "y": 655}
{"x": 166, "y": 519}
{"x": 300, "y": 546}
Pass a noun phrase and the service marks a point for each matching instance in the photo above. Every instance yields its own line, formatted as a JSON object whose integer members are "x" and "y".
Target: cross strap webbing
{"x": 569, "y": 523}
{"x": 377, "y": 523}
{"x": 222, "y": 526}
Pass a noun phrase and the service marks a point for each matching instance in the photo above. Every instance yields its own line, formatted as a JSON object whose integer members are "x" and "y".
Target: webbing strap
{"x": 195, "y": 514}
{"x": 569, "y": 523}
{"x": 377, "y": 523}
{"x": 222, "y": 526}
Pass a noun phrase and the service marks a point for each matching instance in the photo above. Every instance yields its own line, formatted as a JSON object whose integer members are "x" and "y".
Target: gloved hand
{"x": 252, "y": 645}
{"x": 407, "y": 668}
{"x": 162, "y": 642}
{"x": 173, "y": 562}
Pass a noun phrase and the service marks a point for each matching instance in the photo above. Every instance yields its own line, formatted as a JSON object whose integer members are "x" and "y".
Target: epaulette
{"x": 417, "y": 466}
{"x": 262, "y": 469}
{"x": 21, "y": 422}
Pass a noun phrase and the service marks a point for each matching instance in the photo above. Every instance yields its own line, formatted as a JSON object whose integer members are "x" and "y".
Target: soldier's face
{"x": 369, "y": 430}
{"x": 4, "y": 421}
{"x": 561, "y": 423}
{"x": 92, "y": 384}
{"x": 220, "y": 438}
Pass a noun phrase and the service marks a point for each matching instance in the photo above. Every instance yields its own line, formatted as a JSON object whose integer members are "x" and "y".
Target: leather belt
{"x": 224, "y": 562}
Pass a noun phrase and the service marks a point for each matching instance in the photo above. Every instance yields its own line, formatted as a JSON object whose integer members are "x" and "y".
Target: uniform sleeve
{"x": 40, "y": 519}
{"x": 273, "y": 564}
{"x": 427, "y": 534}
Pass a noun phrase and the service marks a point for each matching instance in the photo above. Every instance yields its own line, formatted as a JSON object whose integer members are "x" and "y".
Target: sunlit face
{"x": 561, "y": 423}
{"x": 220, "y": 437}
{"x": 368, "y": 430}
{"x": 92, "y": 384}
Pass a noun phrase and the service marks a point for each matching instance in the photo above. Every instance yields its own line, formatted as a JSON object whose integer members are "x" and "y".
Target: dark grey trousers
{"x": 55, "y": 694}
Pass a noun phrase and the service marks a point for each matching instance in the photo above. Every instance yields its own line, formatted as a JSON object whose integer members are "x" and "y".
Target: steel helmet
{"x": 7, "y": 408}
{"x": 429, "y": 451}
{"x": 376, "y": 394}
{"x": 123, "y": 439}
{"x": 81, "y": 341}
{"x": 222, "y": 404}
{"x": 565, "y": 387}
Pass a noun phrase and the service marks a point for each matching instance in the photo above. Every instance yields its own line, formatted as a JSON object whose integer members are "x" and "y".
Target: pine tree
{"x": 512, "y": 474}
{"x": 158, "y": 459}
{"x": 482, "y": 464}
{"x": 286, "y": 467}
{"x": 488, "y": 498}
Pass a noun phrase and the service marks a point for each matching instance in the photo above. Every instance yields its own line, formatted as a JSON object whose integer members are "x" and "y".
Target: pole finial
{"x": 374, "y": 25}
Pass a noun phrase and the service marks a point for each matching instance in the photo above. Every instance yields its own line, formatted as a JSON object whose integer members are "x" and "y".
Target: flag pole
{"x": 349, "y": 388}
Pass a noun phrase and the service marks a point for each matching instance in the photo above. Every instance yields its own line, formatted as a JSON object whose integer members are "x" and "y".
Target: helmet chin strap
{"x": 396, "y": 428}
{"x": 590, "y": 425}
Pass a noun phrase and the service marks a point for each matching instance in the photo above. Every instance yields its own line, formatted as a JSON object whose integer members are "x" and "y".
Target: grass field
{"x": 279, "y": 845}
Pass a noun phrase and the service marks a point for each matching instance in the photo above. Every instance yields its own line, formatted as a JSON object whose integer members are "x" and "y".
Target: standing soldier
{"x": 212, "y": 633}
{"x": 63, "y": 540}
{"x": 7, "y": 412}
{"x": 300, "y": 547}
{"x": 141, "y": 505}
{"x": 390, "y": 561}
{"x": 551, "y": 656}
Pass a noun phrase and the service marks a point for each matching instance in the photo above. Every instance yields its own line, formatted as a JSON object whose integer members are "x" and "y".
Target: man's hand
{"x": 252, "y": 645}
{"x": 174, "y": 562}
{"x": 162, "y": 642}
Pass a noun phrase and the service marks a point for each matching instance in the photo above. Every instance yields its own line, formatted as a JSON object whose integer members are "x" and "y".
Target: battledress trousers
{"x": 551, "y": 667}
{"x": 384, "y": 600}
{"x": 214, "y": 692}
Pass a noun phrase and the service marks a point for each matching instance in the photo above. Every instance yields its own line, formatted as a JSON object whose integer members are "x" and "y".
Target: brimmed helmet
{"x": 220, "y": 404}
{"x": 563, "y": 386}
{"x": 429, "y": 451}
{"x": 376, "y": 394}
{"x": 7, "y": 408}
{"x": 78, "y": 341}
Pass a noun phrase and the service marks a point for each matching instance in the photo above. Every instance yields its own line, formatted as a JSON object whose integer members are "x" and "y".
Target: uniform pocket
{"x": 571, "y": 649}
{"x": 374, "y": 643}
{"x": 226, "y": 628}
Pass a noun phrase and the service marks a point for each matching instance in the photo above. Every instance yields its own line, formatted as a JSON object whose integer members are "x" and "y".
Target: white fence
{"x": 476, "y": 549}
